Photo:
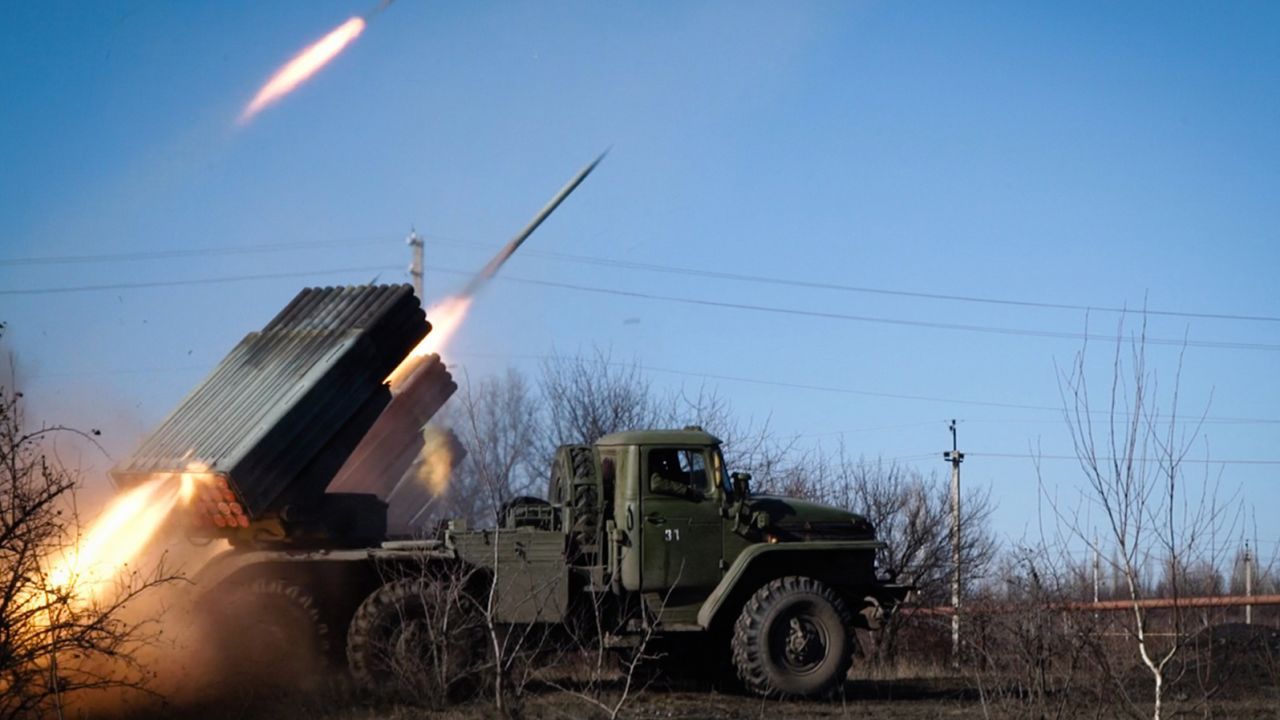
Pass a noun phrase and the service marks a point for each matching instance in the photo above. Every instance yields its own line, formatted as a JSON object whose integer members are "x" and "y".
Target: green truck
{"x": 296, "y": 446}
{"x": 647, "y": 530}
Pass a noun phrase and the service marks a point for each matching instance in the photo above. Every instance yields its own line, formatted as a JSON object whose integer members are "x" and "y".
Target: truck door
{"x": 680, "y": 517}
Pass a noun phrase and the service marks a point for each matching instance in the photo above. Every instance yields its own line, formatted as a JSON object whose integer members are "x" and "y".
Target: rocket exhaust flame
{"x": 119, "y": 535}
{"x": 448, "y": 314}
{"x": 304, "y": 65}
{"x": 445, "y": 317}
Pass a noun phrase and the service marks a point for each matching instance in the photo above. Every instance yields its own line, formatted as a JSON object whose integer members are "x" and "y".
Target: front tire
{"x": 793, "y": 639}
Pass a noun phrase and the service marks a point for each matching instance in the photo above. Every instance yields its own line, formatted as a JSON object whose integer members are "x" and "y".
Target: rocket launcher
{"x": 267, "y": 431}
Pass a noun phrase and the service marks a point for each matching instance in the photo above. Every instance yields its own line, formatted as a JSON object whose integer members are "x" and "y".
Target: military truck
{"x": 646, "y": 532}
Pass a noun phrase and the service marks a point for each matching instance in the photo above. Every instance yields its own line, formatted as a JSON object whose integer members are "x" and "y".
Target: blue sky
{"x": 1072, "y": 154}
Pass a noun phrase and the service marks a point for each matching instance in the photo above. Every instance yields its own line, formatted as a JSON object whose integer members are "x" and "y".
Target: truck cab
{"x": 655, "y": 515}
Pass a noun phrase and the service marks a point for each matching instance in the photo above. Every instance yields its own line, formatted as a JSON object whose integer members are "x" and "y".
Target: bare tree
{"x": 498, "y": 422}
{"x": 1133, "y": 463}
{"x": 55, "y": 639}
{"x": 748, "y": 444}
{"x": 589, "y": 396}
{"x": 911, "y": 513}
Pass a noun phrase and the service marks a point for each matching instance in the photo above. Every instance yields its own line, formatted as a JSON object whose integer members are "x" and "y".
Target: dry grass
{"x": 904, "y": 697}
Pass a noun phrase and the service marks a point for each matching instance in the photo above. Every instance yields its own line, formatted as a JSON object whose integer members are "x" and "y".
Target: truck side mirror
{"x": 741, "y": 485}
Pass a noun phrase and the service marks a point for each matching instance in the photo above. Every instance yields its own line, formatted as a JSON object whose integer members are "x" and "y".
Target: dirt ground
{"x": 880, "y": 699}
{"x": 1231, "y": 672}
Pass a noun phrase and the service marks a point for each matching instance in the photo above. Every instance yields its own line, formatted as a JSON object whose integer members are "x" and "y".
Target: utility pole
{"x": 1097, "y": 567}
{"x": 955, "y": 457}
{"x": 415, "y": 265}
{"x": 1248, "y": 583}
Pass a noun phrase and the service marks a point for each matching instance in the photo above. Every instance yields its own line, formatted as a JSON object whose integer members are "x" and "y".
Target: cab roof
{"x": 688, "y": 436}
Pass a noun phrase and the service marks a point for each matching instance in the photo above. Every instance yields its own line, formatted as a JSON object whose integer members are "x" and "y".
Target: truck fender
{"x": 231, "y": 561}
{"x": 833, "y": 562}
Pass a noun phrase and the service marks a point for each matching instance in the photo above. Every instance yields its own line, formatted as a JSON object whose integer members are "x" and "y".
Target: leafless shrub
{"x": 516, "y": 650}
{"x": 610, "y": 677}
{"x": 500, "y": 424}
{"x": 1033, "y": 657}
{"x": 432, "y": 650}
{"x": 55, "y": 641}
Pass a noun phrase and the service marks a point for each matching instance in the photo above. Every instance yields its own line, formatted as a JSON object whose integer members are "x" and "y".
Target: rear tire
{"x": 794, "y": 638}
{"x": 268, "y": 633}
{"x": 414, "y": 634}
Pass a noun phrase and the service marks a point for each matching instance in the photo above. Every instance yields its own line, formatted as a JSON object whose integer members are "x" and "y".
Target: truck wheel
{"x": 793, "y": 639}
{"x": 268, "y": 632}
{"x": 412, "y": 634}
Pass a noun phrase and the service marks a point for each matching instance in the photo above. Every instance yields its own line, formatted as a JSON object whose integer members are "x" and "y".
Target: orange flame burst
{"x": 303, "y": 66}
{"x": 445, "y": 316}
{"x": 120, "y": 534}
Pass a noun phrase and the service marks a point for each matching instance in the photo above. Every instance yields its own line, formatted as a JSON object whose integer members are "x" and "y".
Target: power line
{"x": 756, "y": 381}
{"x": 42, "y": 375}
{"x": 624, "y": 264}
{"x": 1208, "y": 419}
{"x": 791, "y": 282}
{"x": 878, "y": 428}
{"x": 1217, "y": 549}
{"x": 865, "y": 393}
{"x": 1076, "y": 458}
{"x": 910, "y": 458}
{"x": 844, "y": 390}
{"x": 822, "y": 388}
{"x": 1021, "y": 332}
{"x": 1028, "y": 456}
{"x": 199, "y": 281}
{"x": 926, "y": 398}
{"x": 185, "y": 252}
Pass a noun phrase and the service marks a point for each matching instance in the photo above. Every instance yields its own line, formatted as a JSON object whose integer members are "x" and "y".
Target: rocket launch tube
{"x": 491, "y": 269}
